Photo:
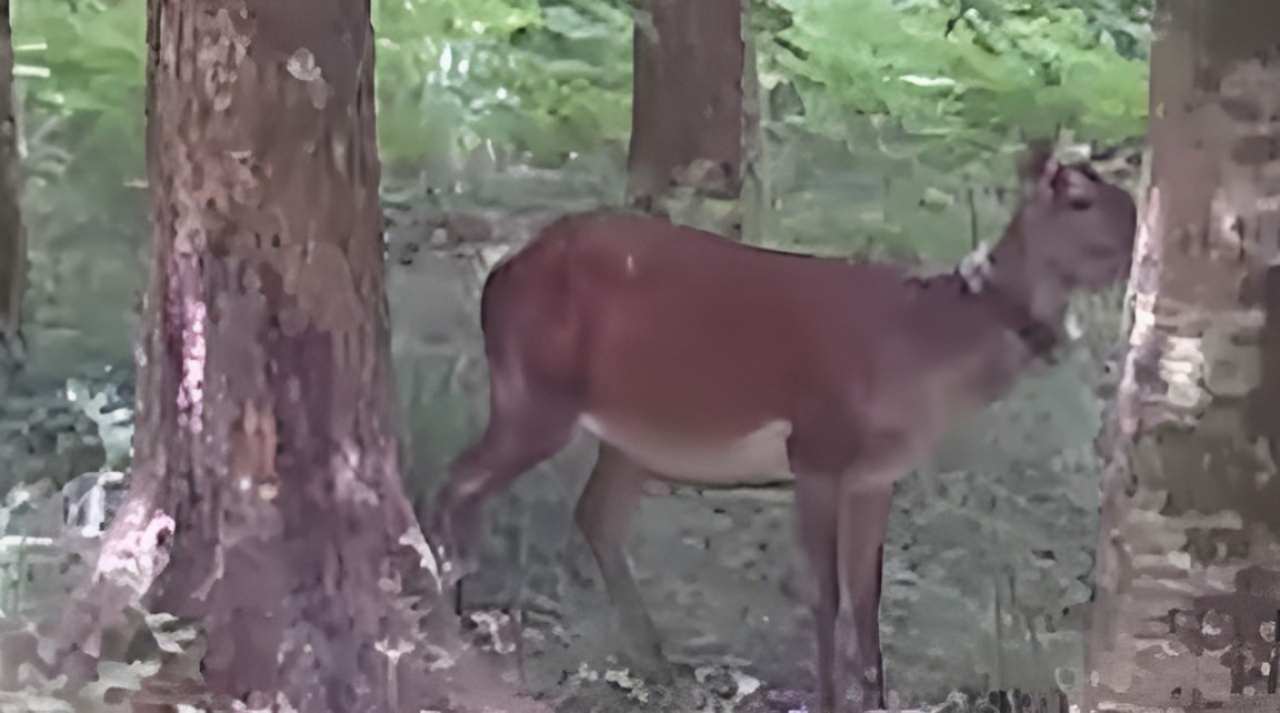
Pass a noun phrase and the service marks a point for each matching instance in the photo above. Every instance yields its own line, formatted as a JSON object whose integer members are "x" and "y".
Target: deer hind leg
{"x": 603, "y": 515}
{"x": 816, "y": 532}
{"x": 863, "y": 517}
{"x": 517, "y": 438}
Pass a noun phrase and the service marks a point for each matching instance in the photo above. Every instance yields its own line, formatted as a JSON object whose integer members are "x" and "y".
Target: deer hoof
{"x": 454, "y": 562}
{"x": 862, "y": 698}
{"x": 654, "y": 669}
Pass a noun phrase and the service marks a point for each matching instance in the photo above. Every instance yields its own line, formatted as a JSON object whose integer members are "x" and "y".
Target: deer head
{"x": 1072, "y": 231}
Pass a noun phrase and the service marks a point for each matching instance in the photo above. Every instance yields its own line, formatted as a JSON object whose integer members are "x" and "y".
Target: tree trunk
{"x": 266, "y": 500}
{"x": 1188, "y": 576}
{"x": 13, "y": 244}
{"x": 695, "y": 129}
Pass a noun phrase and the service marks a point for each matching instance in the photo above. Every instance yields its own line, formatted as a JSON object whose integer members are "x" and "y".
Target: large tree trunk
{"x": 13, "y": 244}
{"x": 1188, "y": 561}
{"x": 266, "y": 499}
{"x": 695, "y": 128}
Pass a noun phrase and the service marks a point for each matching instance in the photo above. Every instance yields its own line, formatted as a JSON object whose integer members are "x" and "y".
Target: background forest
{"x": 889, "y": 124}
{"x": 889, "y": 127}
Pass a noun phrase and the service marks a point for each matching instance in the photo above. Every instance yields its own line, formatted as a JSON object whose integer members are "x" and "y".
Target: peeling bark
{"x": 266, "y": 499}
{"x": 695, "y": 125}
{"x": 13, "y": 244}
{"x": 1188, "y": 575}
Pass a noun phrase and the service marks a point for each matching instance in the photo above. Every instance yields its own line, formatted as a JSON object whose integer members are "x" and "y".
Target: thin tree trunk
{"x": 695, "y": 135}
{"x": 13, "y": 244}
{"x": 1188, "y": 560}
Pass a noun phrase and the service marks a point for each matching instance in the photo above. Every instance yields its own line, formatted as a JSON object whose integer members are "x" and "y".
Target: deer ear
{"x": 1038, "y": 168}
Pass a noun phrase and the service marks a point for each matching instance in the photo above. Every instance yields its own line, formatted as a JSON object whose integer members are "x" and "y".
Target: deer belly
{"x": 758, "y": 456}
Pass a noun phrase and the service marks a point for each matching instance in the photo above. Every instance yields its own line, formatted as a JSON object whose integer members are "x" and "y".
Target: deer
{"x": 696, "y": 360}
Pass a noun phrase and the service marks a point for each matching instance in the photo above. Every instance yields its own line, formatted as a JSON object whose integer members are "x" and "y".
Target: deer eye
{"x": 1080, "y": 203}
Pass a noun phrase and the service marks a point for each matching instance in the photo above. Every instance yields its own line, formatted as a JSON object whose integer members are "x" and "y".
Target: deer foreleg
{"x": 816, "y": 500}
{"x": 863, "y": 517}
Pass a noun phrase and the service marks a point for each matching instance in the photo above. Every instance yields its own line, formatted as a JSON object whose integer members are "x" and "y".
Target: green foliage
{"x": 80, "y": 88}
{"x": 540, "y": 79}
{"x": 546, "y": 79}
{"x": 81, "y": 85}
{"x": 953, "y": 82}
{"x": 543, "y": 79}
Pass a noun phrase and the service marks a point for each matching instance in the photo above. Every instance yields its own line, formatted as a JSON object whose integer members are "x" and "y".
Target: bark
{"x": 266, "y": 499}
{"x": 13, "y": 244}
{"x": 696, "y": 114}
{"x": 1188, "y": 575}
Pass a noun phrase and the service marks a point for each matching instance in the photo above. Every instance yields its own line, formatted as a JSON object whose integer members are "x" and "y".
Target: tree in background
{"x": 13, "y": 248}
{"x": 1188, "y": 574}
{"x": 695, "y": 110}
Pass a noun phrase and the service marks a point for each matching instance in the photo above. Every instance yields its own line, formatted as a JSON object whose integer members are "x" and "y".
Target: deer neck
{"x": 988, "y": 329}
{"x": 1030, "y": 302}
